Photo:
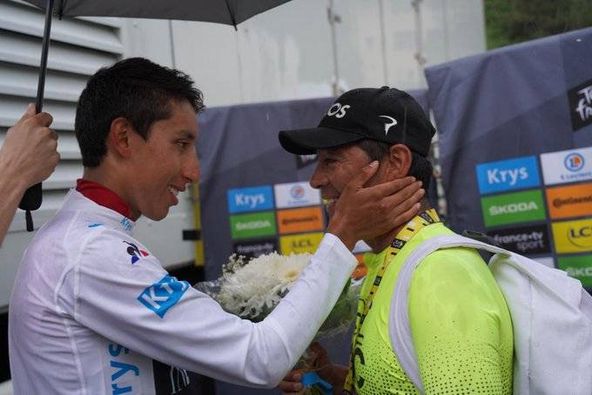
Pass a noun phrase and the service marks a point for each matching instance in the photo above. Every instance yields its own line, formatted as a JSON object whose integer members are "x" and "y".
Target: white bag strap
{"x": 399, "y": 329}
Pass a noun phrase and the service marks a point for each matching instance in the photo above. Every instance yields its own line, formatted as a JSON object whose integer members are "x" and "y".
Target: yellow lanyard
{"x": 419, "y": 222}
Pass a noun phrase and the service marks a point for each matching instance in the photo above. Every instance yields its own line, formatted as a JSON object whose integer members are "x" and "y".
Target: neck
{"x": 110, "y": 180}
{"x": 381, "y": 242}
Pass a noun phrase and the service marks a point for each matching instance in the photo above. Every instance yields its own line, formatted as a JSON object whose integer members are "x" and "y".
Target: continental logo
{"x": 252, "y": 225}
{"x": 571, "y": 201}
{"x": 300, "y": 220}
{"x": 573, "y": 236}
{"x": 524, "y": 240}
{"x": 579, "y": 267}
{"x": 513, "y": 208}
{"x": 300, "y": 243}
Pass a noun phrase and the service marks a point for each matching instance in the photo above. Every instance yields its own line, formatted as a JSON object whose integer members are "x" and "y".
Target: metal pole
{"x": 33, "y": 196}
{"x": 333, "y": 19}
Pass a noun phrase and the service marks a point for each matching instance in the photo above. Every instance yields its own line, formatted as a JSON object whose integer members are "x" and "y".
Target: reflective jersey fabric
{"x": 459, "y": 320}
{"x": 93, "y": 312}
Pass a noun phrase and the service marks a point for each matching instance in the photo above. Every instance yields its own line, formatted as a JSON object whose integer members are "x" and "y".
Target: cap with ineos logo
{"x": 384, "y": 114}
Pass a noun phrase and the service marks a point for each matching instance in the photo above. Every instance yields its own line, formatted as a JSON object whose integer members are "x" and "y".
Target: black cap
{"x": 384, "y": 114}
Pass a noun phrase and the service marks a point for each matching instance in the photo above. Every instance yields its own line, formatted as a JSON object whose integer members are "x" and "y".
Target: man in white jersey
{"x": 94, "y": 312}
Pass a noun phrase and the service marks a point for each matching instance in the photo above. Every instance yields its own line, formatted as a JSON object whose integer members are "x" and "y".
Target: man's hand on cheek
{"x": 363, "y": 213}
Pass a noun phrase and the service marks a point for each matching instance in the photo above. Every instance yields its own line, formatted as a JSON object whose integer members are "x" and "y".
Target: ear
{"x": 399, "y": 160}
{"x": 119, "y": 137}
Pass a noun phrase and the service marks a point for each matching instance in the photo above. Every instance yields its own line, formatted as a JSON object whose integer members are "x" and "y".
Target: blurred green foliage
{"x": 513, "y": 21}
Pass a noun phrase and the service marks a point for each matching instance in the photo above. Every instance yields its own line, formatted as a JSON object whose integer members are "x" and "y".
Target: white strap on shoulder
{"x": 399, "y": 328}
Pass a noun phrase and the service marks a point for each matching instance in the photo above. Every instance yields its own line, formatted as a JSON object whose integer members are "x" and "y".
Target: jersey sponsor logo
{"x": 296, "y": 194}
{"x": 570, "y": 201}
{"x": 250, "y": 199}
{"x": 580, "y": 101}
{"x": 524, "y": 240}
{"x": 246, "y": 226}
{"x": 567, "y": 166}
{"x": 513, "y": 208}
{"x": 126, "y": 224}
{"x": 302, "y": 243}
{"x": 135, "y": 253}
{"x": 162, "y": 295}
{"x": 573, "y": 236}
{"x": 300, "y": 220}
{"x": 338, "y": 110}
{"x": 579, "y": 267}
{"x": 253, "y": 249}
{"x": 122, "y": 373}
{"x": 508, "y": 175}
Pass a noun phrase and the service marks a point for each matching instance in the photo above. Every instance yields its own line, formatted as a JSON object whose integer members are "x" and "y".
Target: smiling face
{"x": 336, "y": 167}
{"x": 163, "y": 164}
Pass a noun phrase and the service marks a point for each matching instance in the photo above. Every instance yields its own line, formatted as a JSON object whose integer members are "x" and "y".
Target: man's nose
{"x": 192, "y": 168}
{"x": 317, "y": 180}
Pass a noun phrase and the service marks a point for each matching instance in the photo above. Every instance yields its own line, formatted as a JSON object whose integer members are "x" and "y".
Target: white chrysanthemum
{"x": 251, "y": 290}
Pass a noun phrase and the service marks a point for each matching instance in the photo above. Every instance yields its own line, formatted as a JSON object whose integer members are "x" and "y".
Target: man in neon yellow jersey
{"x": 459, "y": 321}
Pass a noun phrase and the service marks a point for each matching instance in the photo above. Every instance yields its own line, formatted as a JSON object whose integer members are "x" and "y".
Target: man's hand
{"x": 29, "y": 153}
{"x": 320, "y": 362}
{"x": 28, "y": 156}
{"x": 363, "y": 213}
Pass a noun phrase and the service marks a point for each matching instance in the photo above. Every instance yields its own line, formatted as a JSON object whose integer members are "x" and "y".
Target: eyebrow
{"x": 186, "y": 135}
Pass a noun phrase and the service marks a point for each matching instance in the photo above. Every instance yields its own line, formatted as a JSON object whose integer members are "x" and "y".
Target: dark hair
{"x": 136, "y": 89}
{"x": 421, "y": 168}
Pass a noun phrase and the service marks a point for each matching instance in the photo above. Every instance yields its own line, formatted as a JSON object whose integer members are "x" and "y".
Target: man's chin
{"x": 156, "y": 216}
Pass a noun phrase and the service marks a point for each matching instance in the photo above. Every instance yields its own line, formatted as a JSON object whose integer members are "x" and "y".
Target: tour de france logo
{"x": 580, "y": 101}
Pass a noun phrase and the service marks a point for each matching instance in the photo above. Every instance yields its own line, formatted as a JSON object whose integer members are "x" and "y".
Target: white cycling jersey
{"x": 93, "y": 312}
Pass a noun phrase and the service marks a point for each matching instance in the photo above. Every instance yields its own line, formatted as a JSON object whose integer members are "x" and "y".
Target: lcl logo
{"x": 301, "y": 243}
{"x": 338, "y": 110}
{"x": 581, "y": 236}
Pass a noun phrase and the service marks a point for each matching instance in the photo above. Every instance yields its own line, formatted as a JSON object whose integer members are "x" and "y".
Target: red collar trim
{"x": 103, "y": 196}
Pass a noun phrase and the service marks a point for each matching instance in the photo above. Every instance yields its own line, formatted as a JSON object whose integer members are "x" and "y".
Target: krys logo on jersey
{"x": 250, "y": 199}
{"x": 567, "y": 166}
{"x": 580, "y": 102}
{"x": 573, "y": 236}
{"x": 513, "y": 208}
{"x": 519, "y": 173}
{"x": 162, "y": 295}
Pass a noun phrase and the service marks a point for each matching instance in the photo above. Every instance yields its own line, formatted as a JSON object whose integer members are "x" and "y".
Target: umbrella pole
{"x": 33, "y": 196}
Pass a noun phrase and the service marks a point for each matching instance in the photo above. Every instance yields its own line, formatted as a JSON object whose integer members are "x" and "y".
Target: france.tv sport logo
{"x": 162, "y": 295}
{"x": 507, "y": 175}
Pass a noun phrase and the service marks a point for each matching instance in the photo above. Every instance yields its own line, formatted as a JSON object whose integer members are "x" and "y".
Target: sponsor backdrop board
{"x": 255, "y": 197}
{"x": 515, "y": 128}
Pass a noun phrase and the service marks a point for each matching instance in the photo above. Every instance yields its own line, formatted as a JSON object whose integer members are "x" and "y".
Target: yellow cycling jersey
{"x": 460, "y": 324}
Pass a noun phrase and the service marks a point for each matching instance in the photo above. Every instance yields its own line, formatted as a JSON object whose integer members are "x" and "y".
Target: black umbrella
{"x": 229, "y": 12}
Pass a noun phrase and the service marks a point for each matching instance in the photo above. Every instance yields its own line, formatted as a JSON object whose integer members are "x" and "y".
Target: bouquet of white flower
{"x": 252, "y": 288}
